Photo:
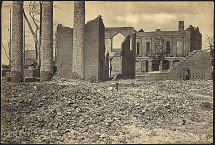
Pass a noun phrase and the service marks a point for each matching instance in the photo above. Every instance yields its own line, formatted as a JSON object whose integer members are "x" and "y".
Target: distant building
{"x": 5, "y": 69}
{"x": 30, "y": 57}
{"x": 155, "y": 51}
{"x": 172, "y": 45}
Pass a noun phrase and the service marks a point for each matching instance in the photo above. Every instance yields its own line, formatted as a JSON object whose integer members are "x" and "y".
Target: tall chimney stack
{"x": 17, "y": 43}
{"x": 78, "y": 37}
{"x": 181, "y": 26}
{"x": 46, "y": 69}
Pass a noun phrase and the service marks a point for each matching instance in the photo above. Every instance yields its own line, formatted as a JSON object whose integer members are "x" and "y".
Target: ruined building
{"x": 195, "y": 66}
{"x": 94, "y": 49}
{"x": 172, "y": 55}
{"x": 92, "y": 52}
{"x": 161, "y": 54}
{"x": 172, "y": 45}
{"x": 81, "y": 50}
{"x": 115, "y": 38}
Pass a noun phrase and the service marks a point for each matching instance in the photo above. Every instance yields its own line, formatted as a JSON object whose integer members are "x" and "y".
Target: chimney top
{"x": 158, "y": 30}
{"x": 181, "y": 26}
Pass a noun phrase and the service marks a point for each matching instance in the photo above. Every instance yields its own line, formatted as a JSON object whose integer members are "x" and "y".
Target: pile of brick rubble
{"x": 72, "y": 111}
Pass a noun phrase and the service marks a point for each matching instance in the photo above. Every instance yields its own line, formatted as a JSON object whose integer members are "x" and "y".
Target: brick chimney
{"x": 78, "y": 38}
{"x": 46, "y": 69}
{"x": 181, "y": 26}
{"x": 17, "y": 42}
{"x": 158, "y": 30}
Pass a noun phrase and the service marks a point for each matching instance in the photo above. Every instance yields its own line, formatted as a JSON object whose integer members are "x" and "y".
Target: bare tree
{"x": 35, "y": 12}
{"x": 211, "y": 46}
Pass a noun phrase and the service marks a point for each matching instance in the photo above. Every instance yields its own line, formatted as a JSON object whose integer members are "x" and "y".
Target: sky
{"x": 146, "y": 15}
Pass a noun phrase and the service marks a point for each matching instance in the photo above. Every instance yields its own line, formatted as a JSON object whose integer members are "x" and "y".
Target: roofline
{"x": 119, "y": 27}
{"x": 158, "y": 32}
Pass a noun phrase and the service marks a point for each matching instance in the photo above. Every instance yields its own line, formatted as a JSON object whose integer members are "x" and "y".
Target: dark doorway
{"x": 174, "y": 62}
{"x": 147, "y": 48}
{"x": 144, "y": 66}
{"x": 165, "y": 65}
{"x": 155, "y": 65}
{"x": 138, "y": 48}
{"x": 168, "y": 47}
{"x": 186, "y": 74}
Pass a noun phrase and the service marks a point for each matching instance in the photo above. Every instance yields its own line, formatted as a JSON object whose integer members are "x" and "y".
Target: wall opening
{"x": 147, "y": 48}
{"x": 117, "y": 41}
{"x": 168, "y": 47}
{"x": 101, "y": 71}
{"x": 179, "y": 47}
{"x": 144, "y": 66}
{"x": 165, "y": 65}
{"x": 186, "y": 74}
{"x": 155, "y": 65}
{"x": 116, "y": 65}
{"x": 175, "y": 61}
{"x": 138, "y": 48}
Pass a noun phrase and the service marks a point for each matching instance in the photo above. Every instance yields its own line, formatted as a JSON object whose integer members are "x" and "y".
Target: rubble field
{"x": 65, "y": 111}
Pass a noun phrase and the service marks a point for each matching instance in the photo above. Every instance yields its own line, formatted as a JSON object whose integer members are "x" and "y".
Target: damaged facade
{"x": 81, "y": 50}
{"x": 116, "y": 42}
{"x": 64, "y": 57}
{"x": 92, "y": 52}
{"x": 172, "y": 45}
{"x": 158, "y": 54}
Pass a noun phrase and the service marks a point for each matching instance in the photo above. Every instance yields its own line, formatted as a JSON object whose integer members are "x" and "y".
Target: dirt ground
{"x": 66, "y": 111}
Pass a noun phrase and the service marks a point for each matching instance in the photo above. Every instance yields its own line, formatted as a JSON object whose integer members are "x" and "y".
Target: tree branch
{"x": 29, "y": 25}
{"x": 31, "y": 11}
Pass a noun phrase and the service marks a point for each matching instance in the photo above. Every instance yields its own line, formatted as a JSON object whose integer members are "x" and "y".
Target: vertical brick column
{"x": 160, "y": 66}
{"x": 17, "y": 42}
{"x": 78, "y": 37}
{"x": 46, "y": 68}
{"x": 150, "y": 65}
{"x": 174, "y": 48}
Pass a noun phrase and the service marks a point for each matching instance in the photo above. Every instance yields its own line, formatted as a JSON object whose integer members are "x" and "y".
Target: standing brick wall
{"x": 78, "y": 37}
{"x": 128, "y": 56}
{"x": 17, "y": 43}
{"x": 94, "y": 50}
{"x": 116, "y": 64}
{"x": 46, "y": 69}
{"x": 110, "y": 32}
{"x": 199, "y": 64}
{"x": 64, "y": 51}
{"x": 101, "y": 48}
{"x": 106, "y": 73}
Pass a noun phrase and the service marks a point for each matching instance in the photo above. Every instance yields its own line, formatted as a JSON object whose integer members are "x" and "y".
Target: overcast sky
{"x": 148, "y": 16}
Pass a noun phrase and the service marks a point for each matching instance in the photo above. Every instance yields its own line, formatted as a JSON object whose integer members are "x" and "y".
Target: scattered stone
{"x": 35, "y": 87}
{"x": 72, "y": 111}
{"x": 110, "y": 89}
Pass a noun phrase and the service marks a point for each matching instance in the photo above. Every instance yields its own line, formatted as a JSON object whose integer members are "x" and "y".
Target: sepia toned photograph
{"x": 107, "y": 72}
